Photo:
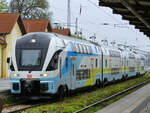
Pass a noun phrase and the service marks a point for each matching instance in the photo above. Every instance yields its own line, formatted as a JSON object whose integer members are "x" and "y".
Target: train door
{"x": 125, "y": 65}
{"x": 102, "y": 67}
{"x": 73, "y": 73}
{"x": 91, "y": 71}
{"x": 60, "y": 68}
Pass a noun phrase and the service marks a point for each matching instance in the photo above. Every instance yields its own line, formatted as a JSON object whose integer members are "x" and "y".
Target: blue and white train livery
{"x": 48, "y": 63}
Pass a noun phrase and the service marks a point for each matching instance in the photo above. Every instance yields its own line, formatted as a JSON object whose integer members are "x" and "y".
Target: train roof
{"x": 63, "y": 37}
{"x": 73, "y": 39}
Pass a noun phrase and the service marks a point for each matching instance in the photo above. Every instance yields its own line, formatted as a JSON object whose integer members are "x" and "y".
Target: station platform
{"x": 132, "y": 103}
{"x": 4, "y": 85}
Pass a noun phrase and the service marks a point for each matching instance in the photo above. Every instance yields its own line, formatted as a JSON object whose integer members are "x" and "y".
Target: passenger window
{"x": 86, "y": 49}
{"x": 73, "y": 47}
{"x": 90, "y": 48}
{"x": 79, "y": 48}
{"x": 83, "y": 50}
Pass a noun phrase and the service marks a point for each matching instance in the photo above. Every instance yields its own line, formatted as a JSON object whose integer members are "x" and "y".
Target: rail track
{"x": 112, "y": 96}
{"x": 18, "y": 108}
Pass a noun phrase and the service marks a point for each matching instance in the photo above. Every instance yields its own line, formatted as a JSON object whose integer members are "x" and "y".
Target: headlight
{"x": 15, "y": 75}
{"x": 44, "y": 75}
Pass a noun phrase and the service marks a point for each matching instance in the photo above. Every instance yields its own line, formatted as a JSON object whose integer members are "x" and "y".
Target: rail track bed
{"x": 29, "y": 105}
{"x": 22, "y": 106}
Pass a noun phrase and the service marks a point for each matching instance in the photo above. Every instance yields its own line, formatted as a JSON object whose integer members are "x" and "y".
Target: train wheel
{"x": 105, "y": 81}
{"x": 61, "y": 93}
{"x": 1, "y": 105}
{"x": 122, "y": 77}
{"x": 98, "y": 83}
{"x": 126, "y": 77}
{"x": 113, "y": 81}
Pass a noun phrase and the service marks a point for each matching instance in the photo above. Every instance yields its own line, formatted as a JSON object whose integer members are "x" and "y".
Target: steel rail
{"x": 13, "y": 109}
{"x": 112, "y": 96}
{"x": 25, "y": 107}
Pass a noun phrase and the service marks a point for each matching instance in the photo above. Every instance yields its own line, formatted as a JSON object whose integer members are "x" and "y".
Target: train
{"x": 49, "y": 63}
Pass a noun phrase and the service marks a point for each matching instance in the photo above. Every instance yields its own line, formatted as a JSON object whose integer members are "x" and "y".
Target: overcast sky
{"x": 91, "y": 19}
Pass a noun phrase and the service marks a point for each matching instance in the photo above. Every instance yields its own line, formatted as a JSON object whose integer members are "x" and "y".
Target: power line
{"x": 108, "y": 13}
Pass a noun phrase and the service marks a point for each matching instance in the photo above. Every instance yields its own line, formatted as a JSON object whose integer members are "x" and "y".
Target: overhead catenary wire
{"x": 99, "y": 25}
{"x": 110, "y": 15}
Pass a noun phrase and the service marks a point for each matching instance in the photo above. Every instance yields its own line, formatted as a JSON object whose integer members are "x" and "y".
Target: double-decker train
{"x": 48, "y": 63}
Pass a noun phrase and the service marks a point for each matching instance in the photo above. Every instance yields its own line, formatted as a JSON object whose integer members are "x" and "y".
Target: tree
{"x": 3, "y": 4}
{"x": 31, "y": 9}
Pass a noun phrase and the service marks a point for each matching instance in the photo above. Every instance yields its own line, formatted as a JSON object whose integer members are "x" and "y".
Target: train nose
{"x": 30, "y": 86}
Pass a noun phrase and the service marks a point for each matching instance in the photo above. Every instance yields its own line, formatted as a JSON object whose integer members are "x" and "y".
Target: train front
{"x": 27, "y": 64}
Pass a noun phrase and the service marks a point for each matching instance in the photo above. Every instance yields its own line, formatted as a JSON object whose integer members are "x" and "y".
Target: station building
{"x": 65, "y": 32}
{"x": 37, "y": 26}
{"x": 11, "y": 28}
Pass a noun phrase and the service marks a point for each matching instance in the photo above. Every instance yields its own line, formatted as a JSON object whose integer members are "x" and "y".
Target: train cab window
{"x": 53, "y": 65}
{"x": 30, "y": 58}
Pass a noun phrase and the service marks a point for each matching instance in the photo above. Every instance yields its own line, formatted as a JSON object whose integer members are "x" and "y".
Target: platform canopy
{"x": 137, "y": 12}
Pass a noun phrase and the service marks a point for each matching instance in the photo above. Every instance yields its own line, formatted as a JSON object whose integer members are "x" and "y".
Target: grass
{"x": 72, "y": 104}
{"x": 8, "y": 100}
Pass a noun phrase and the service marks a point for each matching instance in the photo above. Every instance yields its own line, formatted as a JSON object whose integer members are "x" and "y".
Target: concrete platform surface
{"x": 4, "y": 85}
{"x": 130, "y": 103}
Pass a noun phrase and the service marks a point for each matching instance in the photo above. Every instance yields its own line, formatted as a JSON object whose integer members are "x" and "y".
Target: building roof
{"x": 7, "y": 22}
{"x": 37, "y": 25}
{"x": 65, "y": 32}
{"x": 135, "y": 11}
